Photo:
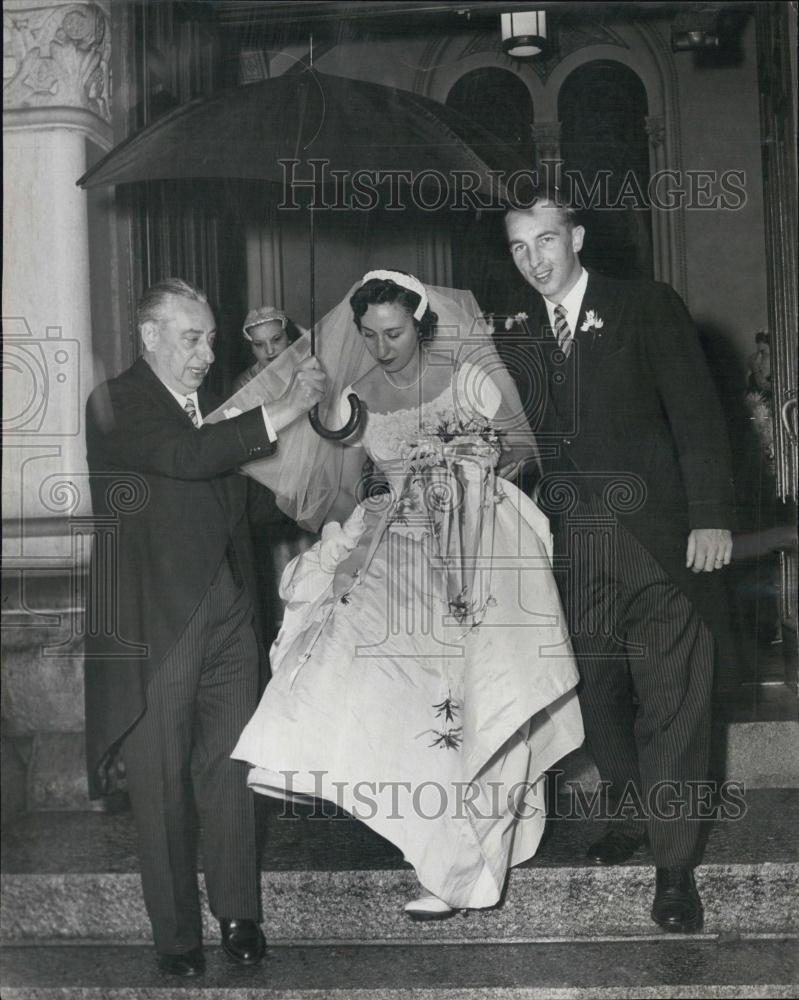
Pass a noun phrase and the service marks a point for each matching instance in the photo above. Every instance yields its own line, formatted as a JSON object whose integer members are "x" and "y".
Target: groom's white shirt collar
{"x": 572, "y": 303}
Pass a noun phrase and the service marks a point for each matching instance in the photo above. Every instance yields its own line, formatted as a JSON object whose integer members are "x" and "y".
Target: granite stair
{"x": 73, "y": 923}
{"x": 596, "y": 970}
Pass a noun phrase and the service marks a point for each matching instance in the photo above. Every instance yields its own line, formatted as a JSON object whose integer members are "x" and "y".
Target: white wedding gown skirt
{"x": 433, "y": 728}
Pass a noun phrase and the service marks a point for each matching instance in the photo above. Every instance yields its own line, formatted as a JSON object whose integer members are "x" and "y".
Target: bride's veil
{"x": 305, "y": 471}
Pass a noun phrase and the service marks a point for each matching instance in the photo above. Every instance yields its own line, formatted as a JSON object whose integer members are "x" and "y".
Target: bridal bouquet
{"x": 449, "y": 479}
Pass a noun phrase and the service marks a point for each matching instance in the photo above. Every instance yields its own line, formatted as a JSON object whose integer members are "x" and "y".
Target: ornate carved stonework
{"x": 486, "y": 41}
{"x": 253, "y": 65}
{"x": 655, "y": 126}
{"x": 577, "y": 36}
{"x": 56, "y": 56}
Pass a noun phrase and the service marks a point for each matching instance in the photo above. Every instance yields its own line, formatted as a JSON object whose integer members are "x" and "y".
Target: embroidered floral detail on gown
{"x": 429, "y": 714}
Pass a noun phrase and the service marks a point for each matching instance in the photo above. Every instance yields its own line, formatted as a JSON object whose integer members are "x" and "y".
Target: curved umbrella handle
{"x": 347, "y": 429}
{"x": 788, "y": 417}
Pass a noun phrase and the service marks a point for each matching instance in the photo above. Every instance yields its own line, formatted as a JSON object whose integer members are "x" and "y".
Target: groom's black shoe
{"x": 615, "y": 847}
{"x": 677, "y": 905}
{"x": 243, "y": 941}
{"x": 184, "y": 963}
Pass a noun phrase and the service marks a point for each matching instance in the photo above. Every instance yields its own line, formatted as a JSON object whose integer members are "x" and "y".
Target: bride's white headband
{"x": 405, "y": 281}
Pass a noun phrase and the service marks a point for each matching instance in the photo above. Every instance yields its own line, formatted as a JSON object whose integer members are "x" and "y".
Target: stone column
{"x": 661, "y": 250}
{"x": 55, "y": 99}
{"x": 546, "y": 136}
{"x": 55, "y": 106}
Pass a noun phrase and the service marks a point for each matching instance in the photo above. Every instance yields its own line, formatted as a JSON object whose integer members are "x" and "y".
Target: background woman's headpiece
{"x": 263, "y": 314}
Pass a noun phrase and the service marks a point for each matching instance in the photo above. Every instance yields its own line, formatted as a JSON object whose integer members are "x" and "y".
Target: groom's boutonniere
{"x": 592, "y": 324}
{"x": 512, "y": 321}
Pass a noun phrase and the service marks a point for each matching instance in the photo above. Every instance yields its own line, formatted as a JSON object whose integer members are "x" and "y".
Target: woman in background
{"x": 276, "y": 538}
{"x": 269, "y": 332}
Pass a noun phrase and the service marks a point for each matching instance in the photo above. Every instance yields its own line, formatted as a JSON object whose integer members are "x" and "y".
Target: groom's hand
{"x": 708, "y": 549}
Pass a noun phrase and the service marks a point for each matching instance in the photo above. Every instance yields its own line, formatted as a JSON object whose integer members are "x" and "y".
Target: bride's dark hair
{"x": 382, "y": 291}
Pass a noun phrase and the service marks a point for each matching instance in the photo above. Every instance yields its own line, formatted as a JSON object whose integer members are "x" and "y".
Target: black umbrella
{"x": 307, "y": 125}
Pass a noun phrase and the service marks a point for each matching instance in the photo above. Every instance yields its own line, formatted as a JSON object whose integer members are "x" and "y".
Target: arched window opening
{"x": 602, "y": 107}
{"x": 499, "y": 101}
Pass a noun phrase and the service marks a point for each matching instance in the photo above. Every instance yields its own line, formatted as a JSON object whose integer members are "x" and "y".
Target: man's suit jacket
{"x": 635, "y": 397}
{"x": 176, "y": 508}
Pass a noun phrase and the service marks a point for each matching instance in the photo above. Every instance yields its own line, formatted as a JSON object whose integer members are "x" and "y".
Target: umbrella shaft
{"x": 311, "y": 235}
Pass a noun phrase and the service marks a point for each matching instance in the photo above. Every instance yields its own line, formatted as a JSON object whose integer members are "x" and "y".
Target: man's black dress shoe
{"x": 614, "y": 847}
{"x": 243, "y": 941}
{"x": 185, "y": 963}
{"x": 677, "y": 905}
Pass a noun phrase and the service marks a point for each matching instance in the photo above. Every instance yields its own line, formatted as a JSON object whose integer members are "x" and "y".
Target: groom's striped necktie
{"x": 563, "y": 333}
{"x": 191, "y": 409}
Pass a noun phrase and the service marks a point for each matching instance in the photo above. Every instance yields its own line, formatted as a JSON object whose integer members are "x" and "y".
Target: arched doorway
{"x": 602, "y": 107}
{"x": 500, "y": 102}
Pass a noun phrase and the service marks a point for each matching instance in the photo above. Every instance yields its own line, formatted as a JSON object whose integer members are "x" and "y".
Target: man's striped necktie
{"x": 191, "y": 409}
{"x": 562, "y": 330}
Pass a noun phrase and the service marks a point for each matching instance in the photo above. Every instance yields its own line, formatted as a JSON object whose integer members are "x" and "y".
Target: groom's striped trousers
{"x": 646, "y": 664}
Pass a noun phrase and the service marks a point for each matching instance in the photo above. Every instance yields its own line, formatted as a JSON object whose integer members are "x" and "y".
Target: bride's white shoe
{"x": 428, "y": 907}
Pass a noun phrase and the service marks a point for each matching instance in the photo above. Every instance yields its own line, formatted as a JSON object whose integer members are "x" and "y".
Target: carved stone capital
{"x": 56, "y": 55}
{"x": 546, "y": 131}
{"x": 655, "y": 126}
{"x": 546, "y": 136}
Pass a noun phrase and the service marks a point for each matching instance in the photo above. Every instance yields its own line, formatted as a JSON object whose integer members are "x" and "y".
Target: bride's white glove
{"x": 309, "y": 574}
{"x": 337, "y": 541}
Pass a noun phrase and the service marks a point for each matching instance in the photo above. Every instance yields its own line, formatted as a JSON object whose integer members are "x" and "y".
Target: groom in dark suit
{"x": 172, "y": 671}
{"x": 639, "y": 486}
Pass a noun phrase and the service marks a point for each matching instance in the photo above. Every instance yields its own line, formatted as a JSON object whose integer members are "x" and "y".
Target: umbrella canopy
{"x": 354, "y": 125}
{"x": 351, "y": 125}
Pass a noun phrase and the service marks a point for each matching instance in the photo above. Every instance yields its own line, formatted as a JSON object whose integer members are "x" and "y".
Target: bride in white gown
{"x": 423, "y": 678}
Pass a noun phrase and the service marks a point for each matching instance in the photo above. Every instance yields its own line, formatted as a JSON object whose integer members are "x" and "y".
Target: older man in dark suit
{"x": 174, "y": 707}
{"x": 639, "y": 479}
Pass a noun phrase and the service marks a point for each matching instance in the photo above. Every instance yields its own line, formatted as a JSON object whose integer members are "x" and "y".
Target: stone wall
{"x": 42, "y": 695}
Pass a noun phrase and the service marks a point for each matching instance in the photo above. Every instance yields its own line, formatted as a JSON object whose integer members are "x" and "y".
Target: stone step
{"x": 601, "y": 970}
{"x": 73, "y": 876}
{"x": 760, "y": 754}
